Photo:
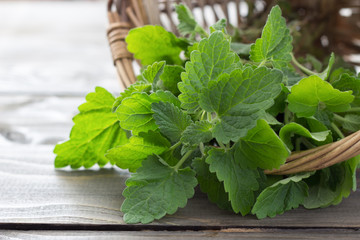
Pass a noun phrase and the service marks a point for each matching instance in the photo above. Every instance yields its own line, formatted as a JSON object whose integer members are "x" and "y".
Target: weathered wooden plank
{"x": 230, "y": 234}
{"x": 32, "y": 191}
{"x": 36, "y": 120}
{"x": 54, "y": 52}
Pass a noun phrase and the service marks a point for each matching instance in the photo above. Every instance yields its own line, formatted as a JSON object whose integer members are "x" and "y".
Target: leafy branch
{"x": 218, "y": 120}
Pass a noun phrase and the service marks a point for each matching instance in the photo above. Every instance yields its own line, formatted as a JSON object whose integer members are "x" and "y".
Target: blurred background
{"x": 54, "y": 47}
{"x": 52, "y": 53}
{"x": 57, "y": 47}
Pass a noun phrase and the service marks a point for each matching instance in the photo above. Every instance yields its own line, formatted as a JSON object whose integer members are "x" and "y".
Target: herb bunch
{"x": 218, "y": 118}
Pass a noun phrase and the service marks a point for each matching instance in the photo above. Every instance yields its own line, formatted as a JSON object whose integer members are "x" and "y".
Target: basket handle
{"x": 320, "y": 157}
{"x": 121, "y": 21}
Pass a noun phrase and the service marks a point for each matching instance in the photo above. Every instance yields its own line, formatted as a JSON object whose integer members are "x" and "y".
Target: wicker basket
{"x": 342, "y": 34}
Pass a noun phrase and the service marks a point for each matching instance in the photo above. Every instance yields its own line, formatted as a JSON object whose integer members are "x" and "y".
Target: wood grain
{"x": 36, "y": 119}
{"x": 229, "y": 234}
{"x": 54, "y": 52}
{"x": 32, "y": 191}
{"x": 47, "y": 68}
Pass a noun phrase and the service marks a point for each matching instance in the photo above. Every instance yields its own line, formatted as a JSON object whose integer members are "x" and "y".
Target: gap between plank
{"x": 139, "y": 227}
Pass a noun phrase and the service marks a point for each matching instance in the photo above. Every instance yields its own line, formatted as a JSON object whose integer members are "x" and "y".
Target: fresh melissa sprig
{"x": 218, "y": 120}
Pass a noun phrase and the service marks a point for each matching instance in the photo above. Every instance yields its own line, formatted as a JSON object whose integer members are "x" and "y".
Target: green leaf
{"x": 353, "y": 164}
{"x": 317, "y": 65}
{"x": 152, "y": 44}
{"x": 282, "y": 196}
{"x": 191, "y": 48}
{"x": 349, "y": 182}
{"x": 152, "y": 73}
{"x": 156, "y": 190}
{"x": 187, "y": 147}
{"x": 349, "y": 82}
{"x": 325, "y": 74}
{"x": 330, "y": 185}
{"x": 187, "y": 24}
{"x": 351, "y": 122}
{"x": 275, "y": 42}
{"x": 315, "y": 125}
{"x": 170, "y": 78}
{"x": 291, "y": 77}
{"x": 279, "y": 103}
{"x": 96, "y": 130}
{"x": 266, "y": 181}
{"x": 324, "y": 187}
{"x": 219, "y": 26}
{"x": 136, "y": 87}
{"x": 98, "y": 100}
{"x": 338, "y": 72}
{"x": 170, "y": 119}
{"x": 261, "y": 148}
{"x": 165, "y": 96}
{"x": 312, "y": 93}
{"x": 324, "y": 116}
{"x": 170, "y": 157}
{"x": 270, "y": 119}
{"x": 135, "y": 112}
{"x": 239, "y": 99}
{"x": 212, "y": 58}
{"x": 210, "y": 185}
{"x": 197, "y": 132}
{"x": 239, "y": 181}
{"x": 288, "y": 131}
{"x": 241, "y": 48}
{"x": 130, "y": 155}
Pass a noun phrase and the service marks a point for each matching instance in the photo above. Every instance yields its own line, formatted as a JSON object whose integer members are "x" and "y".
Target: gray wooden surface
{"x": 228, "y": 234}
{"x": 33, "y": 192}
{"x": 51, "y": 55}
{"x": 54, "y": 48}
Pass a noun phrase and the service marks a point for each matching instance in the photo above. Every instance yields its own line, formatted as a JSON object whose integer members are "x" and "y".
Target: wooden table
{"x": 51, "y": 54}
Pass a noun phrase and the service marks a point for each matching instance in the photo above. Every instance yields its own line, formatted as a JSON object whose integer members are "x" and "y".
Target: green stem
{"x": 173, "y": 147}
{"x": 355, "y": 109}
{"x": 204, "y": 33}
{"x": 339, "y": 118}
{"x": 307, "y": 143}
{"x": 337, "y": 130}
{"x": 221, "y": 145}
{"x": 182, "y": 160}
{"x": 200, "y": 30}
{"x": 198, "y": 114}
{"x": 202, "y": 148}
{"x": 262, "y": 63}
{"x": 304, "y": 69}
{"x": 209, "y": 116}
{"x": 202, "y": 115}
{"x": 162, "y": 160}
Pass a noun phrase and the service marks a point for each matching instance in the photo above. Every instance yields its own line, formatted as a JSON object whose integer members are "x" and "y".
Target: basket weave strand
{"x": 135, "y": 13}
{"x": 321, "y": 157}
{"x": 116, "y": 33}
